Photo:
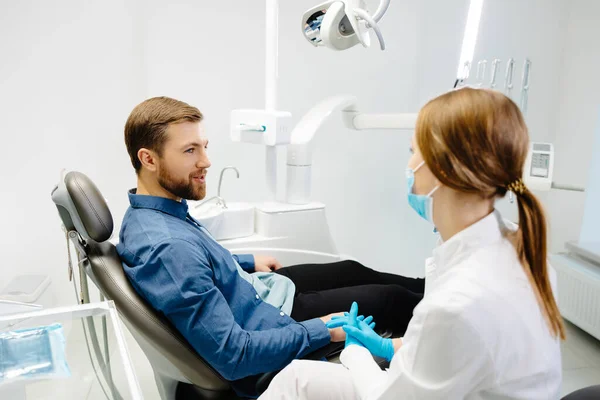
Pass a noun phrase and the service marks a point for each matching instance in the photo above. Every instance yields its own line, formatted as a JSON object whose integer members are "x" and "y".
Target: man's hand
{"x": 266, "y": 264}
{"x": 337, "y": 334}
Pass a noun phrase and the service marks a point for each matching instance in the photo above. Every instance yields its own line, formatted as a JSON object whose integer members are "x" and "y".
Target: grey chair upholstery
{"x": 589, "y": 393}
{"x": 83, "y": 210}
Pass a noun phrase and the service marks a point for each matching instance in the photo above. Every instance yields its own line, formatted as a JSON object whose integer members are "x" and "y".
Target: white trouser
{"x": 311, "y": 380}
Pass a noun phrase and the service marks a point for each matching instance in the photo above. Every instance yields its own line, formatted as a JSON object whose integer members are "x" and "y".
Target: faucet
{"x": 221, "y": 181}
{"x": 220, "y": 200}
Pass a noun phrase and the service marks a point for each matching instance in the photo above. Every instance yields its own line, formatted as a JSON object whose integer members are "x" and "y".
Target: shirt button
{"x": 257, "y": 296}
{"x": 281, "y": 313}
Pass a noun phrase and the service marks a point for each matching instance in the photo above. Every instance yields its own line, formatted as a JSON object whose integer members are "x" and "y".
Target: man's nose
{"x": 204, "y": 162}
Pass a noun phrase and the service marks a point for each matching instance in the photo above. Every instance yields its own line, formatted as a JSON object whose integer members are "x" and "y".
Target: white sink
{"x": 235, "y": 221}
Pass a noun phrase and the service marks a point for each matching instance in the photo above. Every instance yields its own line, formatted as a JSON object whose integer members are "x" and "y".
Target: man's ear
{"x": 148, "y": 158}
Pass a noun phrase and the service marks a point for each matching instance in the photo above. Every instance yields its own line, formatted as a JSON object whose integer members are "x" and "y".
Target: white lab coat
{"x": 478, "y": 333}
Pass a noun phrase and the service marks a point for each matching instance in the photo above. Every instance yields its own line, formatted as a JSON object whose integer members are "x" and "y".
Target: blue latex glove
{"x": 352, "y": 323}
{"x": 338, "y": 321}
{"x": 352, "y": 320}
{"x": 366, "y": 336}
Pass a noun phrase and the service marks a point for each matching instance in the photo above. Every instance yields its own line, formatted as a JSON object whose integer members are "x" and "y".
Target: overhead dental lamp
{"x": 341, "y": 24}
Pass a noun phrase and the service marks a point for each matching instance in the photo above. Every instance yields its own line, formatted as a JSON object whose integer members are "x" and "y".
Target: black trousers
{"x": 323, "y": 289}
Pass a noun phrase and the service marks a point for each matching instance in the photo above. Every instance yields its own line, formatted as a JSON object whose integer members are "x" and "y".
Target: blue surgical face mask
{"x": 422, "y": 204}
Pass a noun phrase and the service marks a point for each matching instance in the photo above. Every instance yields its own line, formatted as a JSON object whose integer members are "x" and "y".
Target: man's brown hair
{"x": 147, "y": 125}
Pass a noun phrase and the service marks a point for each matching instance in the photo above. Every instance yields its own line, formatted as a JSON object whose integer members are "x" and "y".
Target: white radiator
{"x": 578, "y": 291}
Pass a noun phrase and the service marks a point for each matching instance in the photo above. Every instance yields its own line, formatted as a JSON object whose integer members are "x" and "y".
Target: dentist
{"x": 488, "y": 326}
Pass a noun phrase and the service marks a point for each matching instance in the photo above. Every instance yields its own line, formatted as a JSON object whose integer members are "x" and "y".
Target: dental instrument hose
{"x": 104, "y": 362}
{"x": 85, "y": 298}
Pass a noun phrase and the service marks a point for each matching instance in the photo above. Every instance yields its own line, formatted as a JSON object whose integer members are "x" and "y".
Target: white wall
{"x": 72, "y": 71}
{"x": 576, "y": 121}
{"x": 67, "y": 73}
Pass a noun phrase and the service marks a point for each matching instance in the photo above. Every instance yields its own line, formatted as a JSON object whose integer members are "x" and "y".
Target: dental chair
{"x": 179, "y": 371}
{"x": 588, "y": 393}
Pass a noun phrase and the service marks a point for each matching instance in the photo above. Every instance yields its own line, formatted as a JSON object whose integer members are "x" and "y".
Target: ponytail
{"x": 532, "y": 250}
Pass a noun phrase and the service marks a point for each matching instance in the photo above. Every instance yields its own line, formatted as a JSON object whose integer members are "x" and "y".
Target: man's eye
{"x": 190, "y": 150}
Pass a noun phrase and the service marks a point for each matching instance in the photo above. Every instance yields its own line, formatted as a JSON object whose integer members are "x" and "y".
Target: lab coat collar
{"x": 171, "y": 207}
{"x": 460, "y": 246}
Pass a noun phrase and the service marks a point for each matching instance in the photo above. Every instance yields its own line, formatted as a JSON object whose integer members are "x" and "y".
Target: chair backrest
{"x": 83, "y": 209}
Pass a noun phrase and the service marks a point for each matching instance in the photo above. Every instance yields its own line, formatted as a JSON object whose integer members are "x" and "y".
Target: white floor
{"x": 580, "y": 354}
{"x": 581, "y": 360}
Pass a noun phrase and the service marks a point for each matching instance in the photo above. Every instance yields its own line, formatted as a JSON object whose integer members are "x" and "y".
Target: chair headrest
{"x": 82, "y": 207}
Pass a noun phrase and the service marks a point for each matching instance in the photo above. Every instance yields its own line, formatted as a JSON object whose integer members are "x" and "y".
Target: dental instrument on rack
{"x": 464, "y": 75}
{"x": 480, "y": 77}
{"x": 525, "y": 86}
{"x": 495, "y": 64}
{"x": 508, "y": 85}
{"x": 341, "y": 24}
{"x": 508, "y": 78}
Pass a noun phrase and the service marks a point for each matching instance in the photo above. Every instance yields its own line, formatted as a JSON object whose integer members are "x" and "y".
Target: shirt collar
{"x": 486, "y": 231}
{"x": 171, "y": 207}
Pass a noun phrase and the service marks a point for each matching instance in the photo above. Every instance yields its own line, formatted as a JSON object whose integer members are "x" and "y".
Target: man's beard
{"x": 181, "y": 188}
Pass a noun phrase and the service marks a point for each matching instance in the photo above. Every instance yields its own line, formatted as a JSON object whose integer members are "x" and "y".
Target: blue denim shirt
{"x": 173, "y": 263}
